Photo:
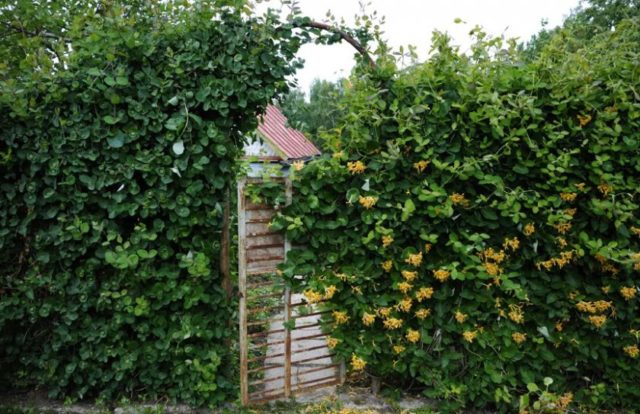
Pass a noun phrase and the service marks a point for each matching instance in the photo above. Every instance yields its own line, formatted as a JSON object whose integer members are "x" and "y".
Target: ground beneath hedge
{"x": 345, "y": 400}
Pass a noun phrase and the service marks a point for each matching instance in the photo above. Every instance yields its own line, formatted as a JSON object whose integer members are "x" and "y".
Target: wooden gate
{"x": 282, "y": 348}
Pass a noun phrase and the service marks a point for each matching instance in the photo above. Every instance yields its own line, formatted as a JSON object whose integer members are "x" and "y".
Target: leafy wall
{"x": 113, "y": 169}
{"x": 477, "y": 228}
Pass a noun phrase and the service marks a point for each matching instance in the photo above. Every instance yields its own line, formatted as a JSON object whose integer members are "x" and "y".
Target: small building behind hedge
{"x": 276, "y": 144}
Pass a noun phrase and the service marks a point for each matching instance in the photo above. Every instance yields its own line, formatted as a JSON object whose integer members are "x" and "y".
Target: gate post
{"x": 242, "y": 288}
{"x": 287, "y": 306}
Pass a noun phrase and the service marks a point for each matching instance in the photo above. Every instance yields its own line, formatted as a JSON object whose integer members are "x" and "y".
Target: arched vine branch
{"x": 343, "y": 35}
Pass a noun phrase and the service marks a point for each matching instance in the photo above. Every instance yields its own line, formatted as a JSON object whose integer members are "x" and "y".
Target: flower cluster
{"x": 491, "y": 254}
{"x": 632, "y": 351}
{"x": 597, "y": 320}
{"x": 340, "y": 317}
{"x": 409, "y": 275}
{"x": 424, "y": 293}
{"x": 568, "y": 196}
{"x": 414, "y": 259}
{"x": 457, "y": 198}
{"x": 356, "y": 167}
{"x": 598, "y": 306}
{"x": 529, "y": 229}
{"x": 491, "y": 259}
{"x": 420, "y": 166}
{"x": 312, "y": 296}
{"x": 584, "y": 119}
{"x": 329, "y": 291}
{"x": 469, "y": 336}
{"x": 412, "y": 336}
{"x": 423, "y": 313}
{"x": 332, "y": 342}
{"x": 357, "y": 363}
{"x": 404, "y": 305}
{"x": 392, "y": 323}
{"x": 562, "y": 242}
{"x": 563, "y": 402}
{"x": 404, "y": 287}
{"x": 297, "y": 165}
{"x": 516, "y": 314}
{"x": 441, "y": 274}
{"x": 628, "y": 292}
{"x": 512, "y": 243}
{"x": 387, "y": 265}
{"x": 518, "y": 337}
{"x": 562, "y": 227}
{"x": 460, "y": 317}
{"x": 368, "y": 319}
{"x": 387, "y": 240}
{"x": 605, "y": 189}
{"x": 368, "y": 201}
{"x": 565, "y": 258}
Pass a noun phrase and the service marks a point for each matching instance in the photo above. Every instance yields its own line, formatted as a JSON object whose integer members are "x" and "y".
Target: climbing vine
{"x": 476, "y": 230}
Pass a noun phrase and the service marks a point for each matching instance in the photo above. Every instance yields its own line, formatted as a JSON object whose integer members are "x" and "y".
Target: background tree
{"x": 589, "y": 19}
{"x": 317, "y": 115}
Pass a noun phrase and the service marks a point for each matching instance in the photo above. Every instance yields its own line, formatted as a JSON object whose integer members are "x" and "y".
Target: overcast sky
{"x": 413, "y": 21}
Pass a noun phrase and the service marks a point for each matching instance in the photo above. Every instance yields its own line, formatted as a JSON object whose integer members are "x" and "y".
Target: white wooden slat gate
{"x": 283, "y": 350}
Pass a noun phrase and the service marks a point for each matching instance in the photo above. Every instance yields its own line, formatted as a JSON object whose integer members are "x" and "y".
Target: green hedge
{"x": 509, "y": 188}
{"x": 112, "y": 176}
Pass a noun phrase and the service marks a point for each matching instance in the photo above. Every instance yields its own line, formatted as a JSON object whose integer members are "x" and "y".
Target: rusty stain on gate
{"x": 283, "y": 350}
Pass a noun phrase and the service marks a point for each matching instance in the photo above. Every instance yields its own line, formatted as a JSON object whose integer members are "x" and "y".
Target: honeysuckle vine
{"x": 477, "y": 224}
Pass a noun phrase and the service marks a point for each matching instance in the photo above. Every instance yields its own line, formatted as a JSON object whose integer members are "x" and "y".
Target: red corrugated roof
{"x": 288, "y": 141}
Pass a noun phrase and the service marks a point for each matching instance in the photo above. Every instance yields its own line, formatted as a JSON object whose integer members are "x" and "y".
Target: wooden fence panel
{"x": 282, "y": 348}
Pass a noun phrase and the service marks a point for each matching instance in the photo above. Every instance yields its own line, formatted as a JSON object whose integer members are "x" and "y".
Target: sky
{"x": 411, "y": 22}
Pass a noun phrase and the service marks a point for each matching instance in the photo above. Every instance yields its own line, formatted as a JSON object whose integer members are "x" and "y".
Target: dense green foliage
{"x": 590, "y": 18}
{"x": 477, "y": 229}
{"x": 113, "y": 162}
{"x": 319, "y": 114}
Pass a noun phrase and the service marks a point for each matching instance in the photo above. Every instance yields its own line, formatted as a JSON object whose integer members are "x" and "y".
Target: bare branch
{"x": 344, "y": 35}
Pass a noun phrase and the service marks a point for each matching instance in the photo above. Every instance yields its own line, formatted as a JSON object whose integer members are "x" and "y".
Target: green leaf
{"x": 122, "y": 80}
{"x": 109, "y": 119}
{"x": 116, "y": 142}
{"x": 352, "y": 195}
{"x": 408, "y": 209}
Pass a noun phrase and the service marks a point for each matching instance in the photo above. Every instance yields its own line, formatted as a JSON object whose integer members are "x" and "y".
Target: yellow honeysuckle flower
{"x": 356, "y": 167}
{"x": 357, "y": 363}
{"x": 441, "y": 274}
{"x": 519, "y": 337}
{"x": 368, "y": 319}
{"x": 412, "y": 336}
{"x": 469, "y": 336}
